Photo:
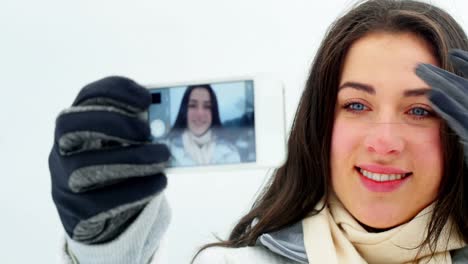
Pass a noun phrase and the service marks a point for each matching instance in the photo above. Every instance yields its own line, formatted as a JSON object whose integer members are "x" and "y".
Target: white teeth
{"x": 381, "y": 177}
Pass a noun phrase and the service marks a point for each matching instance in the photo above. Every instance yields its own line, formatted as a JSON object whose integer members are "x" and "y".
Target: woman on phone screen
{"x": 195, "y": 138}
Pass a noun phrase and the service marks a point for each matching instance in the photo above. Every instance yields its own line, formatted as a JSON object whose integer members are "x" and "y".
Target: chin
{"x": 382, "y": 226}
{"x": 375, "y": 229}
{"x": 381, "y": 221}
{"x": 199, "y": 132}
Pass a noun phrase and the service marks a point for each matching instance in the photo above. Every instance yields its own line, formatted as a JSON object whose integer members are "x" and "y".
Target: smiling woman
{"x": 373, "y": 174}
{"x": 376, "y": 167}
{"x": 383, "y": 122}
{"x": 196, "y": 137}
{"x": 199, "y": 111}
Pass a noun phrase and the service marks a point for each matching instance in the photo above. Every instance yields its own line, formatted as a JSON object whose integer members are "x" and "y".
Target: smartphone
{"x": 216, "y": 124}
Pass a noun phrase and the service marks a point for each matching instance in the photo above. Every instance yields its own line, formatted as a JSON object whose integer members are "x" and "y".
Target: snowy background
{"x": 49, "y": 49}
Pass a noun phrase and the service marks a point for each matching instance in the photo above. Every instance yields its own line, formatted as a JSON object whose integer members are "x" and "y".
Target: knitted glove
{"x": 103, "y": 166}
{"x": 449, "y": 94}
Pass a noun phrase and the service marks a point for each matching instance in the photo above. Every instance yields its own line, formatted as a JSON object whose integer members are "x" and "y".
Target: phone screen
{"x": 205, "y": 124}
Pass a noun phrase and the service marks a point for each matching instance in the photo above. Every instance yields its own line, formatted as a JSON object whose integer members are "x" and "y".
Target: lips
{"x": 382, "y": 177}
{"x": 198, "y": 123}
{"x": 375, "y": 168}
{"x": 377, "y": 178}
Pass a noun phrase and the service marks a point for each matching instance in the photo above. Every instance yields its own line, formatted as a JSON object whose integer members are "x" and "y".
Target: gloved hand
{"x": 103, "y": 166}
{"x": 449, "y": 94}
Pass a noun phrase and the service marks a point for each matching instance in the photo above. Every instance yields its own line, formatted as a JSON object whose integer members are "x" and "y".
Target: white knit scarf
{"x": 333, "y": 236}
{"x": 201, "y": 148}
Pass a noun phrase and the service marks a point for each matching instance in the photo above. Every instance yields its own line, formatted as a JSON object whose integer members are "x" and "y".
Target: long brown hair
{"x": 297, "y": 186}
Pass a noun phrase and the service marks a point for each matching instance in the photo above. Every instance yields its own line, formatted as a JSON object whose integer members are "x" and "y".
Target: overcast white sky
{"x": 49, "y": 49}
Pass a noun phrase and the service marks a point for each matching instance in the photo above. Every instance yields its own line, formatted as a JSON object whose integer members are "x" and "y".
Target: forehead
{"x": 386, "y": 60}
{"x": 199, "y": 94}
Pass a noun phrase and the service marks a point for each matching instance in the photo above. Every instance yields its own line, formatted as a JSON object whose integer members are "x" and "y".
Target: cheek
{"x": 426, "y": 149}
{"x": 206, "y": 115}
{"x": 344, "y": 142}
{"x": 190, "y": 114}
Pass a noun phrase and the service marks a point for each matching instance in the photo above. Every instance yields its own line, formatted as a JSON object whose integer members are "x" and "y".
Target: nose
{"x": 200, "y": 112}
{"x": 384, "y": 139}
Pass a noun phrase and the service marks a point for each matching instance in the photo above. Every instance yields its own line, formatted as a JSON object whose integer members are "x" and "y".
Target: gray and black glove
{"x": 449, "y": 94}
{"x": 103, "y": 166}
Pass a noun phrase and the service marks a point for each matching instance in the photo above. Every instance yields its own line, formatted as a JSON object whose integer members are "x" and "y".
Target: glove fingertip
{"x": 165, "y": 152}
{"x": 459, "y": 53}
{"x": 117, "y": 88}
{"x": 459, "y": 59}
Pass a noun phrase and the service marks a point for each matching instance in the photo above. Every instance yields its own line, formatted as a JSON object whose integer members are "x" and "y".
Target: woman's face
{"x": 199, "y": 111}
{"x": 386, "y": 153}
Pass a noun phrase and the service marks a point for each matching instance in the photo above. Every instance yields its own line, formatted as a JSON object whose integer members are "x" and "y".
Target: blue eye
{"x": 419, "y": 111}
{"x": 356, "y": 107}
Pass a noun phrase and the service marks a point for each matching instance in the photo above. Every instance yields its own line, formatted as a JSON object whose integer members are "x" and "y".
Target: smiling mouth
{"x": 197, "y": 123}
{"x": 381, "y": 177}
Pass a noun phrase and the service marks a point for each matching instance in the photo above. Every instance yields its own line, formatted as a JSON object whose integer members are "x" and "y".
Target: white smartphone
{"x": 217, "y": 124}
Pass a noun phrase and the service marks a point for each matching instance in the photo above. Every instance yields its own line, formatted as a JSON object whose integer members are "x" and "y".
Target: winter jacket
{"x": 140, "y": 244}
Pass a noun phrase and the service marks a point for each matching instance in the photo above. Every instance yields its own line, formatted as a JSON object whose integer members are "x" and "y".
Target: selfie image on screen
{"x": 205, "y": 124}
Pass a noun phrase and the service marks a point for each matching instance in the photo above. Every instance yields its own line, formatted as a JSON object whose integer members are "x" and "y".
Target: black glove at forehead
{"x": 449, "y": 94}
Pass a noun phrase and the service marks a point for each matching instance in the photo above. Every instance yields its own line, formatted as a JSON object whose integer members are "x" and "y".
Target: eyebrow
{"x": 358, "y": 86}
{"x": 195, "y": 101}
{"x": 371, "y": 90}
{"x": 416, "y": 92}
